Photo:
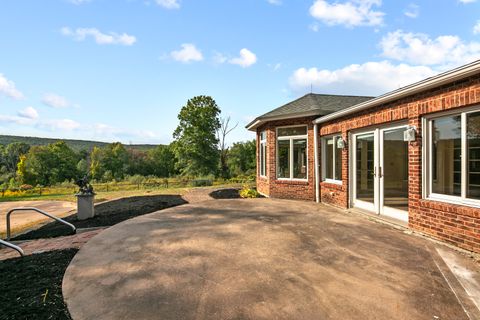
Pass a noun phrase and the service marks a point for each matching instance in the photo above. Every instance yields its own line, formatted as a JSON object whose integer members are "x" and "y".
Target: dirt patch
{"x": 32, "y": 286}
{"x": 230, "y": 193}
{"x": 107, "y": 214}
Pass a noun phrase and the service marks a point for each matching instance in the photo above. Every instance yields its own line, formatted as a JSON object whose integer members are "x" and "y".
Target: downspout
{"x": 315, "y": 157}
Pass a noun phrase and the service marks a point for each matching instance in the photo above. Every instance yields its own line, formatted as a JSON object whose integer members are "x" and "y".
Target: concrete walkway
{"x": 43, "y": 245}
{"x": 27, "y": 219}
{"x": 261, "y": 259}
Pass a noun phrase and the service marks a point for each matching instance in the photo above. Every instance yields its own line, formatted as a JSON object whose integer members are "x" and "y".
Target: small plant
{"x": 248, "y": 192}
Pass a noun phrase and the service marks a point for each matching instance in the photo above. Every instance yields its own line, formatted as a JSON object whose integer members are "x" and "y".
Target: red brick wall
{"x": 271, "y": 186}
{"x": 457, "y": 224}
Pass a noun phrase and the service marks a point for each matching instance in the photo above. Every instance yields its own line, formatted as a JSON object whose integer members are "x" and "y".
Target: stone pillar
{"x": 85, "y": 208}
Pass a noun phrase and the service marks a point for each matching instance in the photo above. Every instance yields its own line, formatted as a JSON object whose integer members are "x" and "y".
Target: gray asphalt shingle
{"x": 320, "y": 104}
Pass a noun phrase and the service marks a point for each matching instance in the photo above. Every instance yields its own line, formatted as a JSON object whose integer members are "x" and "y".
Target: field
{"x": 107, "y": 191}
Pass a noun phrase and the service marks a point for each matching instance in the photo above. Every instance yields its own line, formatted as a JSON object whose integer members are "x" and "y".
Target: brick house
{"x": 412, "y": 155}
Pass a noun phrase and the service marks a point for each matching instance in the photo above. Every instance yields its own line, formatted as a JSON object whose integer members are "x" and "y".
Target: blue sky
{"x": 121, "y": 70}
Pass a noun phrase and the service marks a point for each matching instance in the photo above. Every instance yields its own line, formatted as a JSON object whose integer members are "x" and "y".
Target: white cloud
{"x": 350, "y": 13}
{"x": 416, "y": 48}
{"x": 28, "y": 113}
{"x": 113, "y": 133}
{"x": 55, "y": 101}
{"x": 15, "y": 120}
{"x": 476, "y": 27}
{"x": 412, "y": 11}
{"x": 467, "y": 1}
{"x": 314, "y": 27}
{"x": 59, "y": 124}
{"x": 187, "y": 54}
{"x": 246, "y": 58}
{"x": 7, "y": 87}
{"x": 275, "y": 2}
{"x": 169, "y": 4}
{"x": 80, "y": 34}
{"x": 219, "y": 58}
{"x": 79, "y": 2}
{"x": 275, "y": 66}
{"x": 371, "y": 78}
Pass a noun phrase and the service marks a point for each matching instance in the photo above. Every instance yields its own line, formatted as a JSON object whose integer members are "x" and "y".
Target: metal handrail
{"x": 39, "y": 211}
{"x": 12, "y": 246}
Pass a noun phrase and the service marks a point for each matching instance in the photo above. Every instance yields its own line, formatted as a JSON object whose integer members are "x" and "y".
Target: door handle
{"x": 380, "y": 173}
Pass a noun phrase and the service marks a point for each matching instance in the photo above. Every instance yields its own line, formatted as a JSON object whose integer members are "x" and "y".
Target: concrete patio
{"x": 262, "y": 259}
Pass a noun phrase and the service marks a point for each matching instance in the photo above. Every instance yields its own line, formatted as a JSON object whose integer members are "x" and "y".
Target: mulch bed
{"x": 106, "y": 214}
{"x": 230, "y": 193}
{"x": 31, "y": 287}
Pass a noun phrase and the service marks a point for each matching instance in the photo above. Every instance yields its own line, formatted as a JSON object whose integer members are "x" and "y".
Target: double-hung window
{"x": 453, "y": 157}
{"x": 292, "y": 152}
{"x": 263, "y": 154}
{"x": 331, "y": 159}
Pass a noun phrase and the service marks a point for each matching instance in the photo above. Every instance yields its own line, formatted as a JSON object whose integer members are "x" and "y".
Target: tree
{"x": 115, "y": 159}
{"x": 242, "y": 158}
{"x": 96, "y": 171}
{"x": 195, "y": 144}
{"x": 54, "y": 163}
{"x": 112, "y": 158}
{"x": 138, "y": 163}
{"x": 222, "y": 133}
{"x": 162, "y": 161}
{"x": 12, "y": 153}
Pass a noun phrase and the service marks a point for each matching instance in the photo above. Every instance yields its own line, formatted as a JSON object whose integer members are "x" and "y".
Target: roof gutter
{"x": 429, "y": 83}
{"x": 259, "y": 121}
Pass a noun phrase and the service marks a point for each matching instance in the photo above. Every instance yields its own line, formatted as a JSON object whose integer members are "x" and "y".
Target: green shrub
{"x": 248, "y": 192}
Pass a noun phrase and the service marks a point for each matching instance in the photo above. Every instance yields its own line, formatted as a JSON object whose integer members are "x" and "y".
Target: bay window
{"x": 453, "y": 157}
{"x": 292, "y": 152}
{"x": 263, "y": 154}
{"x": 331, "y": 159}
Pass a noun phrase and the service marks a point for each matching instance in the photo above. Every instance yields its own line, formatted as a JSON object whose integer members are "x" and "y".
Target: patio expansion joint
{"x": 455, "y": 285}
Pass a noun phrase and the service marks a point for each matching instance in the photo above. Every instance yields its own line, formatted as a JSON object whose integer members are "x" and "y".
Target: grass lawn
{"x": 101, "y": 196}
{"x": 107, "y": 214}
{"x": 62, "y": 194}
{"x": 32, "y": 286}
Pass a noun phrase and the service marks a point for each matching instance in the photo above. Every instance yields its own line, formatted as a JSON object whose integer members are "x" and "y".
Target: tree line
{"x": 198, "y": 150}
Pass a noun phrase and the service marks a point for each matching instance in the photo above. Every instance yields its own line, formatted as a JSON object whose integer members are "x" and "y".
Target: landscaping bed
{"x": 107, "y": 214}
{"x": 227, "y": 193}
{"x": 32, "y": 286}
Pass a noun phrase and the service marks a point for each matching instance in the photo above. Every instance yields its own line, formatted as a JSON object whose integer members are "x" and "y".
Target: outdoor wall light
{"x": 410, "y": 134}
{"x": 341, "y": 144}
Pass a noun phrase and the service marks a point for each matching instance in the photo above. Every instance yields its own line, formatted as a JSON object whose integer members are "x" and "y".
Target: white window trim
{"x": 291, "y": 138}
{"x": 324, "y": 158}
{"x": 427, "y": 159}
{"x": 263, "y": 142}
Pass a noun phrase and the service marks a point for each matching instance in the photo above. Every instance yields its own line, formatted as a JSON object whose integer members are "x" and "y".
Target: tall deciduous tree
{"x": 195, "y": 144}
{"x": 162, "y": 161}
{"x": 222, "y": 133}
{"x": 51, "y": 164}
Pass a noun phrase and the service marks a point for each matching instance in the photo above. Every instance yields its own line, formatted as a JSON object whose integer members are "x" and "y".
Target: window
{"x": 332, "y": 159}
{"x": 453, "y": 157}
{"x": 292, "y": 152}
{"x": 263, "y": 154}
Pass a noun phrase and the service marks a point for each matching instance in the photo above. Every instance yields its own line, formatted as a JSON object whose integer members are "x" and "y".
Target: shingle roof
{"x": 312, "y": 104}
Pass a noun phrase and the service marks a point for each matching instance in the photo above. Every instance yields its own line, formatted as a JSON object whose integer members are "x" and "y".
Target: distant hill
{"x": 76, "y": 145}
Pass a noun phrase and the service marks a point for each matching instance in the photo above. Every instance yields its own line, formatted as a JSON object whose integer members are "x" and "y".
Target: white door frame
{"x": 377, "y": 206}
